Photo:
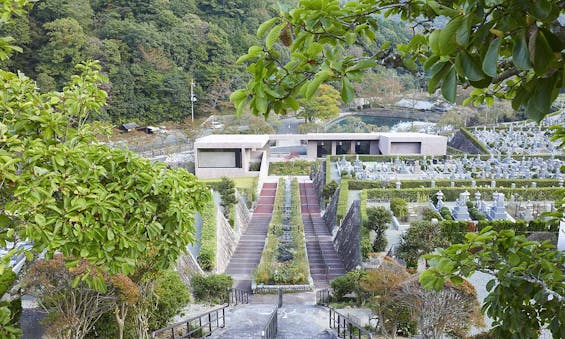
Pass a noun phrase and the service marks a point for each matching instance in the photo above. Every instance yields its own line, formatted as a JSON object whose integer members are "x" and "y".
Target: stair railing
{"x": 323, "y": 297}
{"x": 347, "y": 328}
{"x": 195, "y": 327}
{"x": 271, "y": 328}
{"x": 237, "y": 296}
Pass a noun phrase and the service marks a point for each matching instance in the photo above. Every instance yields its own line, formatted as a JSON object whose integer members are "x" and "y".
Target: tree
{"x": 381, "y": 283}
{"x": 452, "y": 309}
{"x": 527, "y": 289}
{"x": 422, "y": 237}
{"x": 72, "y": 305}
{"x": 226, "y": 188}
{"x": 518, "y": 59}
{"x": 378, "y": 219}
{"x": 324, "y": 106}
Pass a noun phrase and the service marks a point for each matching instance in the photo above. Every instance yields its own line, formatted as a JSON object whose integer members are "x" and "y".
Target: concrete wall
{"x": 226, "y": 242}
{"x": 330, "y": 216}
{"x": 405, "y": 147}
{"x": 402, "y": 144}
{"x": 347, "y": 241}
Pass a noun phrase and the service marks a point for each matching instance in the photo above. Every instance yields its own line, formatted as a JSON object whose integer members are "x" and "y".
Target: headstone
{"x": 497, "y": 211}
{"x": 398, "y": 184}
{"x": 461, "y": 212}
{"x": 493, "y": 184}
{"x": 513, "y": 185}
{"x": 433, "y": 184}
{"x": 534, "y": 184}
{"x": 473, "y": 183}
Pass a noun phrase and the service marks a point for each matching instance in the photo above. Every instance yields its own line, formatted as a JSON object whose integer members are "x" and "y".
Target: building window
{"x": 219, "y": 158}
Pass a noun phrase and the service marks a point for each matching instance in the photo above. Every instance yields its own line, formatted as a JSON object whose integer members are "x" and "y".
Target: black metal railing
{"x": 237, "y": 296}
{"x": 195, "y": 327}
{"x": 346, "y": 328}
{"x": 270, "y": 330}
{"x": 323, "y": 297}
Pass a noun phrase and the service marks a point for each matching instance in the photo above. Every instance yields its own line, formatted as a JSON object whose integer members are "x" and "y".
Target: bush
{"x": 329, "y": 190}
{"x": 446, "y": 213}
{"x": 399, "y": 207}
{"x": 430, "y": 214}
{"x": 343, "y": 200}
{"x": 296, "y": 167}
{"x": 6, "y": 280}
{"x": 207, "y": 255}
{"x": 348, "y": 283}
{"x": 171, "y": 295}
{"x": 366, "y": 246}
{"x": 378, "y": 219}
{"x": 212, "y": 288}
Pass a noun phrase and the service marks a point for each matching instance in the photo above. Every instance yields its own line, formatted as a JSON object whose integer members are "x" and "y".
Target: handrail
{"x": 196, "y": 327}
{"x": 237, "y": 296}
{"x": 323, "y": 297}
{"x": 271, "y": 328}
{"x": 346, "y": 328}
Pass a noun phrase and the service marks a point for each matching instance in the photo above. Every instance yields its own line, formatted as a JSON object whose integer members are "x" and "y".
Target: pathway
{"x": 248, "y": 252}
{"x": 325, "y": 264}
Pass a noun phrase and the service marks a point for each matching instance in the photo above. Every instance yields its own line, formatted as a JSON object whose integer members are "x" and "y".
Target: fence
{"x": 237, "y": 296}
{"x": 270, "y": 330}
{"x": 346, "y": 328}
{"x": 323, "y": 297}
{"x": 196, "y": 327}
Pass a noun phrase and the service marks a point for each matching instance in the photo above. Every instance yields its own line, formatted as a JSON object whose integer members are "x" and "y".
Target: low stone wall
{"x": 226, "y": 242}
{"x": 347, "y": 241}
{"x": 274, "y": 288}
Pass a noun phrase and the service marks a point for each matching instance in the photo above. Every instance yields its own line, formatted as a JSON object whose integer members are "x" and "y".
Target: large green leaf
{"x": 449, "y": 85}
{"x": 520, "y": 54}
{"x": 540, "y": 52}
{"x": 468, "y": 67}
{"x": 490, "y": 60}
{"x": 265, "y": 26}
{"x": 347, "y": 92}
{"x": 274, "y": 35}
{"x": 446, "y": 40}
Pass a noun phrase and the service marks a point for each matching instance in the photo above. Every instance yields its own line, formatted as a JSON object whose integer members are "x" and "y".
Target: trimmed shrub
{"x": 329, "y": 190}
{"x": 212, "y": 288}
{"x": 207, "y": 255}
{"x": 430, "y": 214}
{"x": 171, "y": 296}
{"x": 296, "y": 167}
{"x": 399, "y": 207}
{"x": 446, "y": 213}
{"x": 343, "y": 200}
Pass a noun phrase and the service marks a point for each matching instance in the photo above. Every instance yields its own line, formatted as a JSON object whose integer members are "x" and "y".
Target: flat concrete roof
{"x": 232, "y": 141}
{"x": 342, "y": 136}
{"x": 368, "y": 136}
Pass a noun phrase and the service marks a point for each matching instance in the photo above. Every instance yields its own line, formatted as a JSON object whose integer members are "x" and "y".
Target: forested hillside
{"x": 149, "y": 49}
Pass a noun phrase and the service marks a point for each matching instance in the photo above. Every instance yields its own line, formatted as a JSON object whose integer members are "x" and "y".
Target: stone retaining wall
{"x": 347, "y": 241}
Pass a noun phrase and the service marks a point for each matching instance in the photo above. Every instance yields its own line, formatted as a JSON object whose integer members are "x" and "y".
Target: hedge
{"x": 370, "y": 184}
{"x": 473, "y": 139}
{"x": 296, "y": 167}
{"x": 295, "y": 271}
{"x": 343, "y": 200}
{"x": 207, "y": 255}
{"x": 389, "y": 158}
{"x": 212, "y": 288}
{"x": 452, "y": 194}
{"x": 328, "y": 170}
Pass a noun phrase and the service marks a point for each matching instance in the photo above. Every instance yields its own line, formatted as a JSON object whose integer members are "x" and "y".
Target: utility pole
{"x": 192, "y": 98}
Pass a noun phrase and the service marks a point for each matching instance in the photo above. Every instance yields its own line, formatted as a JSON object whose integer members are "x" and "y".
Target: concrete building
{"x": 322, "y": 144}
{"x": 231, "y": 155}
{"x": 246, "y": 155}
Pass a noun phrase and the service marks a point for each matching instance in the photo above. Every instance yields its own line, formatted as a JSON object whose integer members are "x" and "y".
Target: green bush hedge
{"x": 296, "y": 167}
{"x": 343, "y": 200}
{"x": 207, "y": 255}
{"x": 212, "y": 288}
{"x": 171, "y": 296}
{"x": 451, "y": 194}
{"x": 504, "y": 183}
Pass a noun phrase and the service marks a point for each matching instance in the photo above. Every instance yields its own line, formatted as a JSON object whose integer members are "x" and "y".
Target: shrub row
{"x": 369, "y": 184}
{"x": 296, "y": 167}
{"x": 389, "y": 158}
{"x": 296, "y": 270}
{"x": 451, "y": 194}
{"x": 473, "y": 139}
{"x": 212, "y": 288}
{"x": 207, "y": 255}
{"x": 343, "y": 200}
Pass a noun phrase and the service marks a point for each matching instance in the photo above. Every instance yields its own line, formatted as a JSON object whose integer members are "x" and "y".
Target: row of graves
{"x": 453, "y": 168}
{"x": 521, "y": 138}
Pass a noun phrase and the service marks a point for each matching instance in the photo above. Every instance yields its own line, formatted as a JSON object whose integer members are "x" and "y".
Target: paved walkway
{"x": 248, "y": 252}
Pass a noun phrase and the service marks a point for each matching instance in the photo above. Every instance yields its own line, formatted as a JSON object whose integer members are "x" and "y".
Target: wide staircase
{"x": 248, "y": 252}
{"x": 325, "y": 264}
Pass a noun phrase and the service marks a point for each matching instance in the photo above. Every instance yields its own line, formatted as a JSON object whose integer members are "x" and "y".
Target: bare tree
{"x": 452, "y": 310}
{"x": 73, "y": 310}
